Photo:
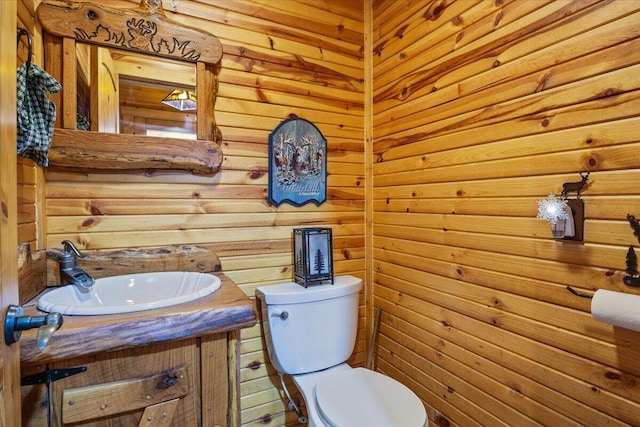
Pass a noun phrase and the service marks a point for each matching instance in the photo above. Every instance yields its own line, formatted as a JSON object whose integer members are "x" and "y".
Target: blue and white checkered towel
{"x": 36, "y": 113}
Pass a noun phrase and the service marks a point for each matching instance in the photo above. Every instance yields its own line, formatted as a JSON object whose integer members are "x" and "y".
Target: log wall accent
{"x": 480, "y": 109}
{"x": 280, "y": 58}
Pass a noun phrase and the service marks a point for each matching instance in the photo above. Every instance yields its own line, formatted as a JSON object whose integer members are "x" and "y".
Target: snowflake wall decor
{"x": 552, "y": 209}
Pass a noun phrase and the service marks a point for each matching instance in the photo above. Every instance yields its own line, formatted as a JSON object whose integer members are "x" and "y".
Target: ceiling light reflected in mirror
{"x": 181, "y": 99}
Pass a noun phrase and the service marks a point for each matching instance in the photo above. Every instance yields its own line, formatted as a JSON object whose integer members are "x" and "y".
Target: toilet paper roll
{"x": 616, "y": 308}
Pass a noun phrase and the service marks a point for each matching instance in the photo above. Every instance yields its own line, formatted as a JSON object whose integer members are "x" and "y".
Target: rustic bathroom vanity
{"x": 173, "y": 366}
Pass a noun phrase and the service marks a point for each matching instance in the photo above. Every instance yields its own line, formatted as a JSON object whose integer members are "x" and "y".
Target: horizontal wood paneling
{"x": 480, "y": 109}
{"x": 29, "y": 175}
{"x": 303, "y": 58}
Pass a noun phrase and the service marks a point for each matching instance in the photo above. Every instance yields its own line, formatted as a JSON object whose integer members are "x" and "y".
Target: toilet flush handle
{"x": 283, "y": 315}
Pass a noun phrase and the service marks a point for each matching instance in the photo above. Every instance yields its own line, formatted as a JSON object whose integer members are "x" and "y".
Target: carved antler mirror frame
{"x": 146, "y": 30}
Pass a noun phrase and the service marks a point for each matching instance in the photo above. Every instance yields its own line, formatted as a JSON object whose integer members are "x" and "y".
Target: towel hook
{"x": 23, "y": 32}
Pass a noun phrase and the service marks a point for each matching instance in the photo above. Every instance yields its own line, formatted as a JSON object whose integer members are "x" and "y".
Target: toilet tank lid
{"x": 293, "y": 293}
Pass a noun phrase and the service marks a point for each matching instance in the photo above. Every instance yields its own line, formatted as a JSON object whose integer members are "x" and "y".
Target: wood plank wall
{"x": 27, "y": 227}
{"x": 301, "y": 57}
{"x": 28, "y": 174}
{"x": 481, "y": 108}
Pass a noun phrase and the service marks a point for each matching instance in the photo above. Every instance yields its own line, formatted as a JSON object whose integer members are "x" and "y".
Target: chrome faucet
{"x": 70, "y": 273}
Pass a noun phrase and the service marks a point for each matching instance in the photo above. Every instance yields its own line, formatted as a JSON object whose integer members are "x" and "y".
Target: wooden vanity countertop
{"x": 227, "y": 309}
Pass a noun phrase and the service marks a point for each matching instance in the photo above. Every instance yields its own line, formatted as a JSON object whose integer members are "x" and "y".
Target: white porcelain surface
{"x": 129, "y": 293}
{"x": 387, "y": 402}
{"x": 310, "y": 333}
{"x": 306, "y": 384}
{"x": 361, "y": 397}
{"x": 293, "y": 293}
{"x": 313, "y": 328}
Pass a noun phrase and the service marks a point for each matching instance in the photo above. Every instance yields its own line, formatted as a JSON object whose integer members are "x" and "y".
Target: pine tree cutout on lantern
{"x": 313, "y": 255}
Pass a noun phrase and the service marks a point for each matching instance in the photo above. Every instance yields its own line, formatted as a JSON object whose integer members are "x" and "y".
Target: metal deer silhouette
{"x": 568, "y": 187}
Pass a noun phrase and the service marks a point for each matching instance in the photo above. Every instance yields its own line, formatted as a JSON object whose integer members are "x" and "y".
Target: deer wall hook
{"x": 565, "y": 216}
{"x": 569, "y": 187}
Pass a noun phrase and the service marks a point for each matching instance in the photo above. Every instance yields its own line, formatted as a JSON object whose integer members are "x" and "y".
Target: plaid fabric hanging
{"x": 82, "y": 122}
{"x": 36, "y": 113}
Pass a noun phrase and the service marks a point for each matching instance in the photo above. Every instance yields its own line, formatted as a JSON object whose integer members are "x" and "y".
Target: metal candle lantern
{"x": 313, "y": 255}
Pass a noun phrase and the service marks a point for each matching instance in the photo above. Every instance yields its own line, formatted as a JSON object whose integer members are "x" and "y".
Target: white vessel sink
{"x": 130, "y": 292}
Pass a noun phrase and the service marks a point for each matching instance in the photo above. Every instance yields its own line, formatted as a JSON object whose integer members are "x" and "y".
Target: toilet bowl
{"x": 310, "y": 333}
{"x": 357, "y": 397}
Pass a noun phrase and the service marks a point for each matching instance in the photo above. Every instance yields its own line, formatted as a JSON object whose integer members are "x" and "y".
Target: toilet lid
{"x": 363, "y": 398}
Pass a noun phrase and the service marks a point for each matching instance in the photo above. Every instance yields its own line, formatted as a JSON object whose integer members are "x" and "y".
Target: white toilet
{"x": 310, "y": 333}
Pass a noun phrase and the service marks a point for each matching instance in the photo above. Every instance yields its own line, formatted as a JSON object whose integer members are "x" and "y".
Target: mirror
{"x": 120, "y": 91}
{"x": 121, "y": 32}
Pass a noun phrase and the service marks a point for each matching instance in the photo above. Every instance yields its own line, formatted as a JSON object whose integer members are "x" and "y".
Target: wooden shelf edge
{"x": 106, "y": 151}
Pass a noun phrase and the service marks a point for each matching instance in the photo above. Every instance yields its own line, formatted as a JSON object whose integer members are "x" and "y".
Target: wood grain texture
{"x": 137, "y": 260}
{"x": 279, "y": 58}
{"x": 159, "y": 415}
{"x": 142, "y": 29}
{"x": 98, "y": 150}
{"x": 224, "y": 310}
{"x": 28, "y": 174}
{"x": 107, "y": 399}
{"x": 32, "y": 272}
{"x": 216, "y": 376}
{"x": 149, "y": 30}
{"x": 9, "y": 355}
{"x": 480, "y": 109}
{"x": 129, "y": 375}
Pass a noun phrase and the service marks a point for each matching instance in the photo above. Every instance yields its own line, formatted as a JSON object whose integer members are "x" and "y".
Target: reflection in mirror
{"x": 144, "y": 30}
{"x": 122, "y": 92}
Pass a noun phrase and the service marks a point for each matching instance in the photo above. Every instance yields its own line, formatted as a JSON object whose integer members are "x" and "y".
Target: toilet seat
{"x": 363, "y": 398}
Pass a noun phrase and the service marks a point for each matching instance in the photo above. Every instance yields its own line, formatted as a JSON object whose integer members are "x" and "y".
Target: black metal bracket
{"x": 578, "y": 294}
{"x": 23, "y": 32}
{"x": 49, "y": 376}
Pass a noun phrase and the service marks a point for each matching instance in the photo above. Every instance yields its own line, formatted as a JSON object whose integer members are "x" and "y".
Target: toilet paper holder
{"x": 632, "y": 277}
{"x": 579, "y": 294}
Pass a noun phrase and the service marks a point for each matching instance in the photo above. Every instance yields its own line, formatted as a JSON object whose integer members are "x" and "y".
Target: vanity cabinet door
{"x": 150, "y": 386}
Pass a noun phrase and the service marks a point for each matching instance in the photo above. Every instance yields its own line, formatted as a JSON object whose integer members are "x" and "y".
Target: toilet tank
{"x": 309, "y": 329}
